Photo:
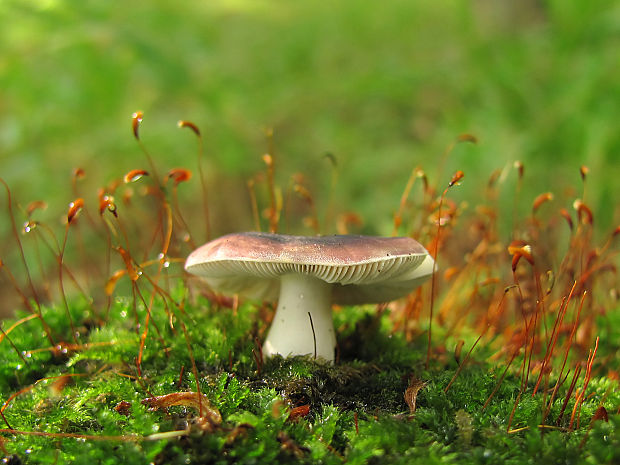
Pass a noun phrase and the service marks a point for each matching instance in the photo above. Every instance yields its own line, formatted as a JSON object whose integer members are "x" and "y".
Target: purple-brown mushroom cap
{"x": 362, "y": 269}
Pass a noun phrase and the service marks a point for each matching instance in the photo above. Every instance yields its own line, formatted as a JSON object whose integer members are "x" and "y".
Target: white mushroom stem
{"x": 291, "y": 333}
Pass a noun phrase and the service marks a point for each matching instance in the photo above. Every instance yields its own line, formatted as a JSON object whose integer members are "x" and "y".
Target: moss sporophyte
{"x": 508, "y": 354}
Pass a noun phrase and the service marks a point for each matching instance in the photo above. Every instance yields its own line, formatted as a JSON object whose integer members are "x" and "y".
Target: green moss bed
{"x": 87, "y": 402}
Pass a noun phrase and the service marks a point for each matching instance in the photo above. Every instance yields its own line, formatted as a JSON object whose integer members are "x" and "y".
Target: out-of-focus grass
{"x": 382, "y": 88}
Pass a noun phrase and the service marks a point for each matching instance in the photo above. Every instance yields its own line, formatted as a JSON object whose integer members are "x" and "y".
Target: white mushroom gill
{"x": 292, "y": 333}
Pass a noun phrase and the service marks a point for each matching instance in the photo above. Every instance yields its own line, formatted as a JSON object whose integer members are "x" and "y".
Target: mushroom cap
{"x": 363, "y": 269}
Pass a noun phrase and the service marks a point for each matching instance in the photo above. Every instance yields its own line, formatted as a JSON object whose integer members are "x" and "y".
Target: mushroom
{"x": 307, "y": 275}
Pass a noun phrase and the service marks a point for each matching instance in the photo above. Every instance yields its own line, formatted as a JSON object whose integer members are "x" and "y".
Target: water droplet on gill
{"x": 301, "y": 296}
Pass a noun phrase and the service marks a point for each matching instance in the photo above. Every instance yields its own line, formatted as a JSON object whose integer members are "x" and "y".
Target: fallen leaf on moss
{"x": 186, "y": 399}
{"x": 411, "y": 393}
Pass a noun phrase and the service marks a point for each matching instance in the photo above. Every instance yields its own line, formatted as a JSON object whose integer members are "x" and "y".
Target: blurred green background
{"x": 383, "y": 87}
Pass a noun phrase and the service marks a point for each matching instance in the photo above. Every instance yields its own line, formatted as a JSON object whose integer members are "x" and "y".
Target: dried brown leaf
{"x": 411, "y": 393}
{"x": 186, "y": 399}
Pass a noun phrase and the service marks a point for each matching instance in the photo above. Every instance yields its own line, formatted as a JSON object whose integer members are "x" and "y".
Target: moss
{"x": 294, "y": 410}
